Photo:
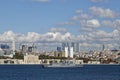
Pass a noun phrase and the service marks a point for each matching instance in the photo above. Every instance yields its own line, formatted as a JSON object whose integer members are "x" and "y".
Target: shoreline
{"x": 43, "y": 64}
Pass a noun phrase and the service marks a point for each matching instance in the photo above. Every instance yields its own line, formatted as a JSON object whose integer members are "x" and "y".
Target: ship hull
{"x": 63, "y": 65}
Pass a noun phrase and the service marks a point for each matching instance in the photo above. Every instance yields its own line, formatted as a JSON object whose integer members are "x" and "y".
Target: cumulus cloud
{"x": 92, "y": 29}
{"x": 116, "y": 24}
{"x": 9, "y": 36}
{"x": 101, "y": 12}
{"x": 81, "y": 17}
{"x": 98, "y": 37}
{"x": 106, "y": 23}
{"x": 105, "y": 37}
{"x": 93, "y": 23}
{"x": 62, "y": 30}
{"x": 113, "y": 24}
{"x": 89, "y": 25}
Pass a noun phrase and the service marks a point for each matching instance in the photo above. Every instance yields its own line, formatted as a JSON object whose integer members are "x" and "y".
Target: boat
{"x": 63, "y": 64}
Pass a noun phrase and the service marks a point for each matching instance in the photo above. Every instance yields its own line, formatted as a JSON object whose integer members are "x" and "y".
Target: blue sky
{"x": 28, "y": 15}
{"x": 81, "y": 20}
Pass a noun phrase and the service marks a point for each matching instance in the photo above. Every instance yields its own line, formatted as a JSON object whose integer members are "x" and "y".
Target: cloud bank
{"x": 94, "y": 38}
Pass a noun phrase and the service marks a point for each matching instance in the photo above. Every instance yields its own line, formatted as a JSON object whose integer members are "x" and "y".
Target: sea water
{"x": 37, "y": 72}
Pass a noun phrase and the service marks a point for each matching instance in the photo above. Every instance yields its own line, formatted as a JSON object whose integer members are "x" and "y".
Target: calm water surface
{"x": 36, "y": 72}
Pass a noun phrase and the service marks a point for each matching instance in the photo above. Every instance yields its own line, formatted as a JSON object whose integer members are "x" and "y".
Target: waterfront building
{"x": 11, "y": 61}
{"x": 78, "y": 62}
{"x": 31, "y": 59}
{"x": 93, "y": 62}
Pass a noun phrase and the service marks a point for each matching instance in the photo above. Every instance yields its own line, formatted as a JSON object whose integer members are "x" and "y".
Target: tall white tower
{"x": 13, "y": 46}
{"x": 66, "y": 51}
{"x": 71, "y": 52}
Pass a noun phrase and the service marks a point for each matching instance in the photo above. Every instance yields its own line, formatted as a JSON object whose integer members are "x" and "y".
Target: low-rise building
{"x": 93, "y": 62}
{"x": 31, "y": 59}
{"x": 11, "y": 61}
{"x": 78, "y": 61}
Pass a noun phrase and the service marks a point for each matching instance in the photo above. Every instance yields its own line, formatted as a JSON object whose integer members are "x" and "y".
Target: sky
{"x": 92, "y": 23}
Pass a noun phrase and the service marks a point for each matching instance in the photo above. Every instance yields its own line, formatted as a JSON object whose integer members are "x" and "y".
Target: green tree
{"x": 18, "y": 56}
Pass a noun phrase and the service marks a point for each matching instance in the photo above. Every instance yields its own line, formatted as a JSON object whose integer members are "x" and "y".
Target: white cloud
{"x": 112, "y": 24}
{"x": 81, "y": 17}
{"x": 106, "y": 23}
{"x": 101, "y": 12}
{"x": 88, "y": 39}
{"x": 116, "y": 24}
{"x": 9, "y": 36}
{"x": 35, "y": 37}
{"x": 93, "y": 23}
{"x": 89, "y": 25}
{"x": 62, "y": 30}
{"x": 105, "y": 37}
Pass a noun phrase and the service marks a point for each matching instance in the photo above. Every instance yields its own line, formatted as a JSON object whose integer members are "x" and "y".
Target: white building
{"x": 13, "y": 45}
{"x": 71, "y": 52}
{"x": 31, "y": 59}
{"x": 66, "y": 51}
{"x": 93, "y": 62}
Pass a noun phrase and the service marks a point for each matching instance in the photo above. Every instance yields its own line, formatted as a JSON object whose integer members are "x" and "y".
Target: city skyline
{"x": 92, "y": 23}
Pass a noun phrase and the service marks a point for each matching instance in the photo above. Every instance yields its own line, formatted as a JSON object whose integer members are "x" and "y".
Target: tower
{"x": 13, "y": 45}
{"x": 66, "y": 51}
{"x": 75, "y": 46}
{"x": 24, "y": 48}
{"x": 103, "y": 47}
{"x": 71, "y": 52}
{"x": 65, "y": 45}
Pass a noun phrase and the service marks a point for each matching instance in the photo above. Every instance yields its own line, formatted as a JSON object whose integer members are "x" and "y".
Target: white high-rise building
{"x": 75, "y": 46}
{"x": 71, "y": 52}
{"x": 13, "y": 45}
{"x": 66, "y": 51}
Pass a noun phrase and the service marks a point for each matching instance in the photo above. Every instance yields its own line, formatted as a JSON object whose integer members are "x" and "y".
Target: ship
{"x": 63, "y": 64}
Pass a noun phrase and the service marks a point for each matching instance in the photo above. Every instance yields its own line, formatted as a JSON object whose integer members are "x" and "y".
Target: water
{"x": 36, "y": 72}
